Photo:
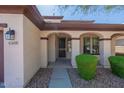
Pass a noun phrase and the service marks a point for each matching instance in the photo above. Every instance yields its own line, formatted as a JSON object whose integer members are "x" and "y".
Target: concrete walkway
{"x": 60, "y": 78}
{"x": 2, "y": 85}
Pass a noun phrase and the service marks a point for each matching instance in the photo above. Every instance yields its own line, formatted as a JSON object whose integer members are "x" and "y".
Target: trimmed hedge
{"x": 117, "y": 65}
{"x": 86, "y": 66}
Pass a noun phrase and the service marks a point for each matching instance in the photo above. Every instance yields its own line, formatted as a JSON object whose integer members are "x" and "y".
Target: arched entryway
{"x": 117, "y": 45}
{"x": 90, "y": 44}
{"x": 59, "y": 48}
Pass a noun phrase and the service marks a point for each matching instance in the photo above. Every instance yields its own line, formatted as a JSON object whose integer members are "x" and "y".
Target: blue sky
{"x": 100, "y": 16}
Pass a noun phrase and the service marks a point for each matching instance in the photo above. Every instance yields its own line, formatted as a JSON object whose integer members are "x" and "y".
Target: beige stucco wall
{"x": 44, "y": 53}
{"x": 1, "y": 28}
{"x": 31, "y": 51}
{"x": 105, "y": 52}
{"x": 76, "y": 34}
{"x": 75, "y": 51}
{"x": 13, "y": 53}
{"x": 52, "y": 48}
{"x": 22, "y": 59}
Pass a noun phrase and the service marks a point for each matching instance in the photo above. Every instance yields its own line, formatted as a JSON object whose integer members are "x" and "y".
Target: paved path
{"x": 2, "y": 85}
{"x": 60, "y": 79}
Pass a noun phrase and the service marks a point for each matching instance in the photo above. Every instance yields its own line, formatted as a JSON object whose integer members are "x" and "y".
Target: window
{"x": 120, "y": 42}
{"x": 91, "y": 44}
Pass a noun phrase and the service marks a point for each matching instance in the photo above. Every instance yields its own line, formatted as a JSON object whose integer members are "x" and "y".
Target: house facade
{"x": 40, "y": 40}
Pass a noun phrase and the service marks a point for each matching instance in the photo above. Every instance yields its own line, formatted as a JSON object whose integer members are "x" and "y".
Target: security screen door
{"x": 62, "y": 47}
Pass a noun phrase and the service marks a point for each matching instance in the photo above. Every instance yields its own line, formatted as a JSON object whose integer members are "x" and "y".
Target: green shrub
{"x": 117, "y": 65}
{"x": 86, "y": 66}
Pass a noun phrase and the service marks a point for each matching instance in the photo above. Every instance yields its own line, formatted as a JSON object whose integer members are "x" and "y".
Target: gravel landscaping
{"x": 41, "y": 79}
{"x": 104, "y": 79}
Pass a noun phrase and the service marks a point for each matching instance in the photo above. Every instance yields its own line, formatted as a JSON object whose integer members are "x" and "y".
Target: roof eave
{"x": 91, "y": 27}
{"x": 29, "y": 11}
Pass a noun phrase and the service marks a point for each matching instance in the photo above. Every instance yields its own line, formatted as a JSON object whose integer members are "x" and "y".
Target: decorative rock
{"x": 41, "y": 79}
{"x": 104, "y": 79}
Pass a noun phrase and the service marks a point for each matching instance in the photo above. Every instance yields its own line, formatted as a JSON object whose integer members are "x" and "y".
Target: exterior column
{"x": 113, "y": 44}
{"x": 44, "y": 55}
{"x": 75, "y": 50}
{"x": 105, "y": 52}
{"x": 52, "y": 48}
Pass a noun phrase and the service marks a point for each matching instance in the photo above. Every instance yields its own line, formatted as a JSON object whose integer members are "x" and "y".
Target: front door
{"x": 62, "y": 47}
{"x": 1, "y": 58}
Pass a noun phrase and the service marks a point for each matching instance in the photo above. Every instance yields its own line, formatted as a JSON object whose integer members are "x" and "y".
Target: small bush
{"x": 86, "y": 66}
{"x": 117, "y": 65}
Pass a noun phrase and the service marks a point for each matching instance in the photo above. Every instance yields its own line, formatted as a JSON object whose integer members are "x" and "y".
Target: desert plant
{"x": 117, "y": 65}
{"x": 86, "y": 66}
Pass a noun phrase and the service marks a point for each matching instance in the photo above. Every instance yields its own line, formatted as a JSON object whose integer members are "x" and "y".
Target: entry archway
{"x": 59, "y": 47}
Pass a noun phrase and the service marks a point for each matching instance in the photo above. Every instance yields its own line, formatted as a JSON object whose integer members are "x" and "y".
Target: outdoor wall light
{"x": 10, "y": 35}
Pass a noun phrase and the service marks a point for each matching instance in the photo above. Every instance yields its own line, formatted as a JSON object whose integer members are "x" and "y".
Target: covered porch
{"x": 61, "y": 47}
